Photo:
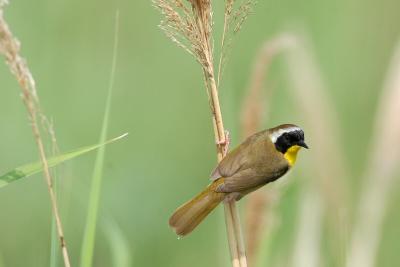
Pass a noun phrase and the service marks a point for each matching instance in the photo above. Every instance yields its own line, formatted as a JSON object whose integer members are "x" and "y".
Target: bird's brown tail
{"x": 193, "y": 212}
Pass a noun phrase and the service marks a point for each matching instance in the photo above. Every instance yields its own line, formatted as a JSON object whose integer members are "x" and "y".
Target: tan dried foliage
{"x": 235, "y": 15}
{"x": 10, "y": 49}
{"x": 189, "y": 25}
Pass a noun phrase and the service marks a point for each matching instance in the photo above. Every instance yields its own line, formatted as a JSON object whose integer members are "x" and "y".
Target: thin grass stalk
{"x": 235, "y": 238}
{"x": 380, "y": 173}
{"x": 227, "y": 15}
{"x": 235, "y": 15}
{"x": 9, "y": 47}
{"x": 54, "y": 252}
{"x": 233, "y": 249}
{"x": 239, "y": 235}
{"x": 189, "y": 25}
{"x": 54, "y": 151}
{"x": 89, "y": 235}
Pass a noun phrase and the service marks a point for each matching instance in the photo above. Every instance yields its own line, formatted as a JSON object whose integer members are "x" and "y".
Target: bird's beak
{"x": 303, "y": 144}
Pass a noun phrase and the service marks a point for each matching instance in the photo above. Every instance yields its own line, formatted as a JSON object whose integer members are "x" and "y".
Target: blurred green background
{"x": 159, "y": 98}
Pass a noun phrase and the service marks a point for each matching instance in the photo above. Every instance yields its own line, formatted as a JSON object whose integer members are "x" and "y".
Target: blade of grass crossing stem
{"x": 94, "y": 198}
{"x": 36, "y": 167}
{"x": 54, "y": 251}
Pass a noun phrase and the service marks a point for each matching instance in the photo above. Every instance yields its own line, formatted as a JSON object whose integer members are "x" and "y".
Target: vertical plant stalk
{"x": 380, "y": 174}
{"x": 89, "y": 237}
{"x": 234, "y": 16}
{"x": 54, "y": 252}
{"x": 203, "y": 21}
{"x": 235, "y": 237}
{"x": 227, "y": 16}
{"x": 189, "y": 25}
{"x": 9, "y": 48}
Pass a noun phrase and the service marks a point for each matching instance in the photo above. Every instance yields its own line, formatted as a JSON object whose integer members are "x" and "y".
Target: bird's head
{"x": 288, "y": 139}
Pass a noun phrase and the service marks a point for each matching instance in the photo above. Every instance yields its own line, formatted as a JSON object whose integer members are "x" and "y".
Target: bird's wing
{"x": 249, "y": 179}
{"x": 233, "y": 162}
{"x": 238, "y": 159}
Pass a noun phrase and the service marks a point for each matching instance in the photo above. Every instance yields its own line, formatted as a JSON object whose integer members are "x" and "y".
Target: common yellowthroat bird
{"x": 262, "y": 158}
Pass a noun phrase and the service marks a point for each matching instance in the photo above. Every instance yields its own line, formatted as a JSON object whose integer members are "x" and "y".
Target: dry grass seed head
{"x": 242, "y": 14}
{"x": 9, "y": 48}
{"x": 189, "y": 25}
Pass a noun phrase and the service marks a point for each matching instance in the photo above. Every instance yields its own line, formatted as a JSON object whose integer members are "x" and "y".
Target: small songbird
{"x": 262, "y": 158}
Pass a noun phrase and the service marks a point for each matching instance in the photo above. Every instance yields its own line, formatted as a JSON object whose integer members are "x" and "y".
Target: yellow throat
{"x": 291, "y": 154}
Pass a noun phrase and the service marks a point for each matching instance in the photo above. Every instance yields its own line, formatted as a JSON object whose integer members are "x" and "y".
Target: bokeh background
{"x": 159, "y": 98}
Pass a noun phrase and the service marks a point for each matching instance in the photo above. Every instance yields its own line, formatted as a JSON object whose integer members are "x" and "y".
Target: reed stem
{"x": 9, "y": 47}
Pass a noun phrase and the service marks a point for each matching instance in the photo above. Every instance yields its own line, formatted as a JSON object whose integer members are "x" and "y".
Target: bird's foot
{"x": 225, "y": 143}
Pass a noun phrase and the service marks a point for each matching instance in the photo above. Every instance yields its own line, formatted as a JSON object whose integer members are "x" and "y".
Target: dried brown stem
{"x": 235, "y": 238}
{"x": 9, "y": 48}
{"x": 189, "y": 24}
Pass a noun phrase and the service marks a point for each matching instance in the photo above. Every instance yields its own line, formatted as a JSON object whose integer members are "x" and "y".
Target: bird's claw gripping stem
{"x": 225, "y": 143}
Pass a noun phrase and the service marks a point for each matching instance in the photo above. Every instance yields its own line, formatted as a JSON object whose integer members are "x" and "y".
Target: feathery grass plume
{"x": 381, "y": 172}
{"x": 259, "y": 204}
{"x": 235, "y": 15}
{"x": 309, "y": 92}
{"x": 9, "y": 48}
{"x": 189, "y": 24}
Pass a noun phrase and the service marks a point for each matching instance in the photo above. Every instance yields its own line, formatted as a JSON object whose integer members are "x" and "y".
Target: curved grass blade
{"x": 33, "y": 168}
{"x": 89, "y": 235}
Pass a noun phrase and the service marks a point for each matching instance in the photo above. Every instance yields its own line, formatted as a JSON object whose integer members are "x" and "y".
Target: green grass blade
{"x": 89, "y": 235}
{"x": 119, "y": 246}
{"x": 33, "y": 168}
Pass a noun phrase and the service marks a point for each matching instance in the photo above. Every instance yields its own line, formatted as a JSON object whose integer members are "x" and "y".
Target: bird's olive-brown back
{"x": 252, "y": 164}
